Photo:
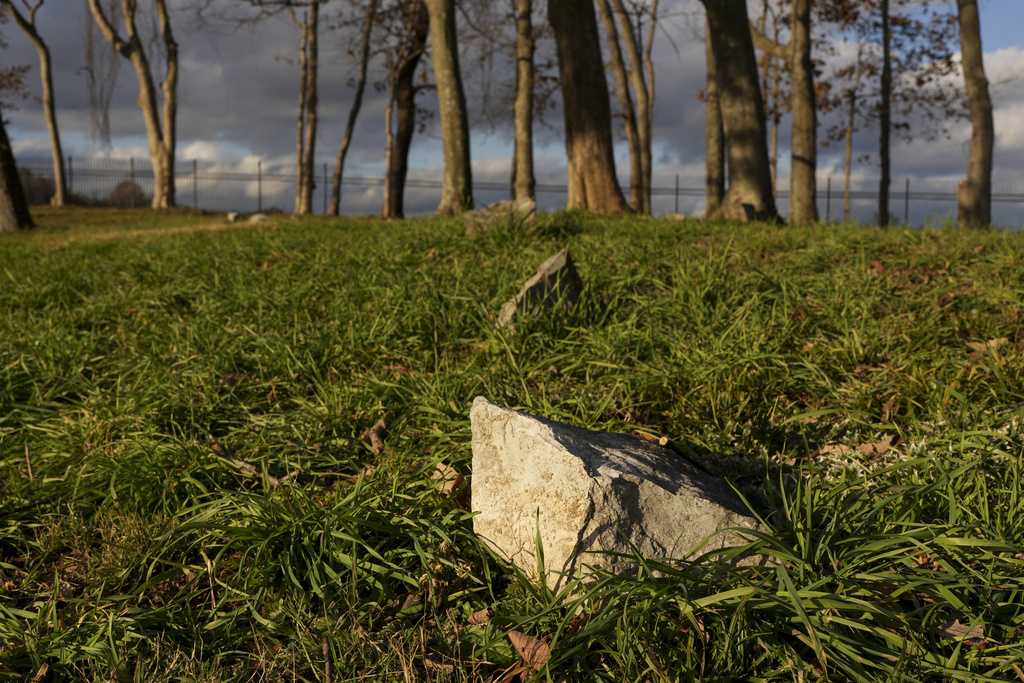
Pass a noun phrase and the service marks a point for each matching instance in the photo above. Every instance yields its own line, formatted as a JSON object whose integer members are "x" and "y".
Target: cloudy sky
{"x": 238, "y": 91}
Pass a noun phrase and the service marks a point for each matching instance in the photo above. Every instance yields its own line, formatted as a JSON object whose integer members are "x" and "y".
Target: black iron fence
{"x": 251, "y": 184}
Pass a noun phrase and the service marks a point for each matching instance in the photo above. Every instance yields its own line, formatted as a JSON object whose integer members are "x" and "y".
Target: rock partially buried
{"x": 586, "y": 492}
{"x": 510, "y": 213}
{"x": 555, "y": 282}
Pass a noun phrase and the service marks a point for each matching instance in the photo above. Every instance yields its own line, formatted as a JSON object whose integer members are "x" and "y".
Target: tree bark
{"x": 357, "y": 104}
{"x": 524, "y": 182}
{"x": 851, "y": 121}
{"x": 885, "y": 117}
{"x": 28, "y": 26}
{"x": 629, "y": 115}
{"x": 300, "y": 121}
{"x": 457, "y": 185}
{"x": 975, "y": 205}
{"x": 641, "y": 96}
{"x": 160, "y": 134}
{"x": 14, "y": 213}
{"x": 803, "y": 185}
{"x": 714, "y": 135}
{"x": 593, "y": 184}
{"x": 750, "y": 188}
{"x": 310, "y": 98}
{"x": 403, "y": 103}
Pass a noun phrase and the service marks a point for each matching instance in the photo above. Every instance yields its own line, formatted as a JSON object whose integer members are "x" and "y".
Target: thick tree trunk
{"x": 28, "y": 27}
{"x": 160, "y": 135}
{"x": 750, "y": 188}
{"x": 14, "y": 213}
{"x": 714, "y": 136}
{"x": 975, "y": 206}
{"x": 803, "y": 185}
{"x": 524, "y": 183}
{"x": 593, "y": 184}
{"x": 629, "y": 117}
{"x": 641, "y": 96}
{"x": 885, "y": 118}
{"x": 307, "y": 182}
{"x": 457, "y": 185}
{"x": 357, "y": 104}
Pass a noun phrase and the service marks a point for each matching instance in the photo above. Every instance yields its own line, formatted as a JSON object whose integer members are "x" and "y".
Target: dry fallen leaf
{"x": 448, "y": 476}
{"x": 534, "y": 652}
{"x": 877, "y": 267}
{"x": 979, "y": 347}
{"x": 440, "y": 667}
{"x": 959, "y": 631}
{"x": 481, "y": 617}
{"x": 878, "y": 448}
{"x": 808, "y": 346}
{"x": 375, "y": 435}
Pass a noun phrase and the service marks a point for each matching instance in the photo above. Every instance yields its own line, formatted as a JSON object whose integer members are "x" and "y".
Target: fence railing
{"x": 254, "y": 185}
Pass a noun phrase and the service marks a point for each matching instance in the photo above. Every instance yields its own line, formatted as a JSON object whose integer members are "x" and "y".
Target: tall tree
{"x": 641, "y": 80}
{"x": 408, "y": 26}
{"x": 306, "y": 125}
{"x": 750, "y": 189}
{"x": 628, "y": 111}
{"x": 457, "y": 185}
{"x": 524, "y": 183}
{"x": 363, "y": 57}
{"x": 593, "y": 183}
{"x": 27, "y": 23}
{"x": 885, "y": 115}
{"x": 714, "y": 134}
{"x": 161, "y": 131}
{"x": 975, "y": 205}
{"x": 14, "y": 213}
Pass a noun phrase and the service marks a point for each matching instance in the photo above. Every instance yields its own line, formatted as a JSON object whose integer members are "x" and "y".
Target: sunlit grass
{"x": 184, "y": 493}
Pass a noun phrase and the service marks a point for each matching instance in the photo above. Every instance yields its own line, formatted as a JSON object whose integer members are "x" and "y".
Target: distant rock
{"x": 676, "y": 216}
{"x": 555, "y": 282}
{"x": 257, "y": 218}
{"x": 586, "y": 491}
{"x": 511, "y": 214}
{"x": 232, "y": 216}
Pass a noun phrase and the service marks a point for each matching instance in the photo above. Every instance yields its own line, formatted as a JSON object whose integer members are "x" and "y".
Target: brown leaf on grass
{"x": 958, "y": 631}
{"x": 878, "y": 448}
{"x": 978, "y": 348}
{"x": 877, "y": 267}
{"x": 41, "y": 673}
{"x": 448, "y": 477}
{"x": 440, "y": 667}
{"x": 481, "y": 617}
{"x": 534, "y": 652}
{"x": 808, "y": 346}
{"x": 375, "y": 436}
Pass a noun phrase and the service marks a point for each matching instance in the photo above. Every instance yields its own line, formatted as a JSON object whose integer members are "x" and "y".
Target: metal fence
{"x": 254, "y": 185}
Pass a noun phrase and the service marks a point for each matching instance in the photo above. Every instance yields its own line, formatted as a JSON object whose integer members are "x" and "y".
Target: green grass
{"x": 184, "y": 492}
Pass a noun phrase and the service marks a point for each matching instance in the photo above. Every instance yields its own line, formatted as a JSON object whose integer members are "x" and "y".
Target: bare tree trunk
{"x": 750, "y": 187}
{"x": 14, "y": 213}
{"x": 975, "y": 205}
{"x": 647, "y": 148}
{"x": 851, "y": 115}
{"x": 353, "y": 112}
{"x": 161, "y": 135}
{"x": 885, "y": 117}
{"x": 593, "y": 184}
{"x": 524, "y": 183}
{"x": 641, "y": 96}
{"x": 714, "y": 135}
{"x": 28, "y": 26}
{"x": 308, "y": 111}
{"x": 457, "y": 187}
{"x": 389, "y": 150}
{"x": 629, "y": 117}
{"x": 300, "y": 121}
{"x": 803, "y": 183}
{"x": 403, "y": 101}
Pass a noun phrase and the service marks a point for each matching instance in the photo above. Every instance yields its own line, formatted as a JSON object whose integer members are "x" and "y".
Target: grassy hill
{"x": 185, "y": 492}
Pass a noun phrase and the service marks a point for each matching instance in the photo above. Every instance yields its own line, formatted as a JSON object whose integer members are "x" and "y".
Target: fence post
{"x": 325, "y": 188}
{"x": 906, "y": 204}
{"x": 259, "y": 185}
{"x": 677, "y": 193}
{"x": 828, "y": 200}
{"x": 195, "y": 184}
{"x": 71, "y": 175}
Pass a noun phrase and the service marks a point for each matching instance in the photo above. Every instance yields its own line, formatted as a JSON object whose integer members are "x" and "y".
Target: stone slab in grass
{"x": 555, "y": 282}
{"x": 515, "y": 215}
{"x": 585, "y": 491}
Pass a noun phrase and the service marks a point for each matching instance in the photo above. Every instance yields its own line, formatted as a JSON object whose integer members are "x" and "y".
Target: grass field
{"x": 185, "y": 493}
